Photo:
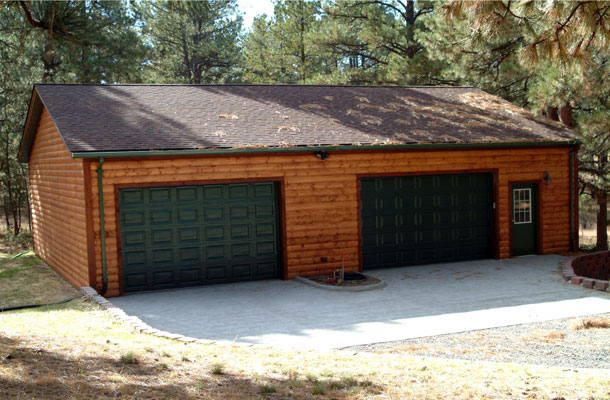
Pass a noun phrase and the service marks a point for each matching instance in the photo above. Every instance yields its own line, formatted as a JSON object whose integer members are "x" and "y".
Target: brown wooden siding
{"x": 321, "y": 197}
{"x": 57, "y": 195}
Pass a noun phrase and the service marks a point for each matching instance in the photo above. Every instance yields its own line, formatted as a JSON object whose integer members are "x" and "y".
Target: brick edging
{"x": 143, "y": 327}
{"x": 589, "y": 283}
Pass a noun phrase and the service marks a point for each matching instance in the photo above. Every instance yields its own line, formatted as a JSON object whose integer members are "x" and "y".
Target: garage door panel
{"x": 265, "y": 230}
{"x": 160, "y": 217}
{"x": 442, "y": 217}
{"x": 190, "y": 275}
{"x": 214, "y": 233}
{"x": 132, "y": 196}
{"x": 264, "y": 211}
{"x": 266, "y": 248}
{"x": 162, "y": 256}
{"x": 389, "y": 238}
{"x": 240, "y": 231}
{"x": 238, "y": 191}
{"x": 239, "y": 212}
{"x": 212, "y": 192}
{"x": 136, "y": 280}
{"x": 135, "y": 239}
{"x": 135, "y": 259}
{"x": 188, "y": 235}
{"x": 133, "y": 218}
{"x": 264, "y": 190}
{"x": 425, "y": 256}
{"x": 163, "y": 277}
{"x": 158, "y": 196}
{"x": 189, "y": 254}
{"x": 241, "y": 250}
{"x": 446, "y": 254}
{"x": 216, "y": 273}
{"x": 241, "y": 271}
{"x": 160, "y": 237}
{"x": 389, "y": 258}
{"x": 186, "y": 215}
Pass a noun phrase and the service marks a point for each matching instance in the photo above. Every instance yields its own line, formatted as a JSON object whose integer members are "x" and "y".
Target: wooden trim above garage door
{"x": 280, "y": 200}
{"x": 495, "y": 194}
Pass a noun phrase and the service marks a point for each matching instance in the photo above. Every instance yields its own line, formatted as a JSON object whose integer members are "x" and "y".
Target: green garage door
{"x": 197, "y": 235}
{"x": 411, "y": 220}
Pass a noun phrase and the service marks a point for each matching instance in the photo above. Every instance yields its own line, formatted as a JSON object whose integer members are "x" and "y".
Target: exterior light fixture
{"x": 322, "y": 155}
{"x": 547, "y": 178}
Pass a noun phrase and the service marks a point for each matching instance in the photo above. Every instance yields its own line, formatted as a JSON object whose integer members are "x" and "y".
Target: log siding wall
{"x": 57, "y": 197}
{"x": 321, "y": 197}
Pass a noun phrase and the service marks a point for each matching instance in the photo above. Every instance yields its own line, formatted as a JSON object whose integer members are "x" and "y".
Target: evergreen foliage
{"x": 192, "y": 41}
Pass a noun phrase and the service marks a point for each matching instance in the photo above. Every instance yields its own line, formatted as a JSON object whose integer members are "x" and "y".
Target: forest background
{"x": 552, "y": 57}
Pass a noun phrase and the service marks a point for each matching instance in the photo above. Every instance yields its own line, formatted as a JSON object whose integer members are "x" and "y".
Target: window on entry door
{"x": 522, "y": 206}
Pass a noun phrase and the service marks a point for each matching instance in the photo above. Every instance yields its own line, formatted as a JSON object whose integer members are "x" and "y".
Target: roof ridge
{"x": 256, "y": 84}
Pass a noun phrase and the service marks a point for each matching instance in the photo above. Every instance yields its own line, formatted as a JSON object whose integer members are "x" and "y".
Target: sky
{"x": 252, "y": 8}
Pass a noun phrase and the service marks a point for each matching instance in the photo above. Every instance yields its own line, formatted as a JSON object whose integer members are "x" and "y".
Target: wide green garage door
{"x": 410, "y": 220}
{"x": 197, "y": 235}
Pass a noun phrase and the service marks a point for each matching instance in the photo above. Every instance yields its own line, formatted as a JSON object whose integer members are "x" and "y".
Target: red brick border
{"x": 581, "y": 270}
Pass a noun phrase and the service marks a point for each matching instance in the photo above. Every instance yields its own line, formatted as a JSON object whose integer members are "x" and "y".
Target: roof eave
{"x": 29, "y": 128}
{"x": 251, "y": 150}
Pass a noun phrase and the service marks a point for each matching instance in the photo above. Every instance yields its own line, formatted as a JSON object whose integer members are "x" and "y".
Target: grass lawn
{"x": 27, "y": 280}
{"x": 78, "y": 351}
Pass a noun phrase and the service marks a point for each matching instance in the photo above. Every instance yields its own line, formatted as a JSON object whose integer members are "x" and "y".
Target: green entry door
{"x": 524, "y": 219}
{"x": 197, "y": 235}
{"x": 411, "y": 220}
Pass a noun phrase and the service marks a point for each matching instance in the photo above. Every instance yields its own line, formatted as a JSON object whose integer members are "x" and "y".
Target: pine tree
{"x": 551, "y": 56}
{"x": 72, "y": 41}
{"x": 193, "y": 41}
{"x": 283, "y": 49}
{"x": 381, "y": 40}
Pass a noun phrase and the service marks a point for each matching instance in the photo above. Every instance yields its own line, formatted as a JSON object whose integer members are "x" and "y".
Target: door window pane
{"x": 522, "y": 206}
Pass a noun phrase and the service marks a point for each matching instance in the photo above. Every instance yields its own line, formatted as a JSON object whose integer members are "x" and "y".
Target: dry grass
{"x": 544, "y": 336}
{"x": 588, "y": 237}
{"x": 78, "y": 351}
{"x": 75, "y": 351}
{"x": 27, "y": 280}
{"x": 592, "y": 323}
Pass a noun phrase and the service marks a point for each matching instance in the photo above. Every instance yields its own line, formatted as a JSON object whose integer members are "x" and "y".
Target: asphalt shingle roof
{"x": 180, "y": 117}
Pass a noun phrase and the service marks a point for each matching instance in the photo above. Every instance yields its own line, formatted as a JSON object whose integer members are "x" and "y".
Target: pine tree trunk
{"x": 551, "y": 112}
{"x": 410, "y": 22}
{"x": 565, "y": 112}
{"x": 602, "y": 220}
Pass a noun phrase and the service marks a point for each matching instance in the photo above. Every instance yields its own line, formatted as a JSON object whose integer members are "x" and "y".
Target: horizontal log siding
{"x": 321, "y": 197}
{"x": 57, "y": 197}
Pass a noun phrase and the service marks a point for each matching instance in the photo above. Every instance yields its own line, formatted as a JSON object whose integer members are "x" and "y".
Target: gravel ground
{"x": 553, "y": 343}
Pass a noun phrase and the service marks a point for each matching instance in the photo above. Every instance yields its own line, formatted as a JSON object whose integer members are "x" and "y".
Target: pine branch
{"x": 28, "y": 16}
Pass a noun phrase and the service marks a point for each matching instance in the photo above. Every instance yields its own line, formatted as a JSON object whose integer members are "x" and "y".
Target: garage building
{"x": 225, "y": 183}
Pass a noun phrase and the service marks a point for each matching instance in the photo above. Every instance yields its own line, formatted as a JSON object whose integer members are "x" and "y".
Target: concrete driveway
{"x": 417, "y": 301}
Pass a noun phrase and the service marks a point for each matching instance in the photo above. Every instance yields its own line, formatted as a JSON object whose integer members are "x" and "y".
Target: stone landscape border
{"x": 592, "y": 260}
